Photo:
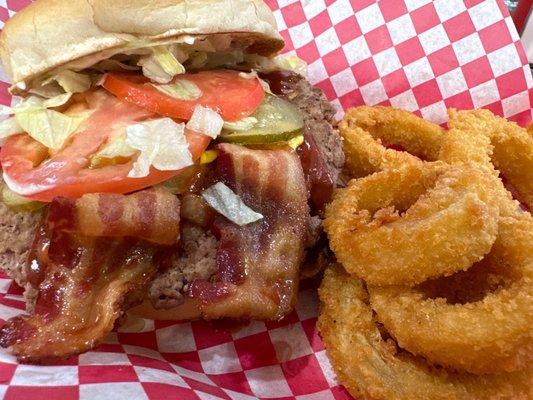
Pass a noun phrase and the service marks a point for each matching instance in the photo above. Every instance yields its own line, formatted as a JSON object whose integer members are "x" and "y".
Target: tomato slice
{"x": 233, "y": 96}
{"x": 30, "y": 171}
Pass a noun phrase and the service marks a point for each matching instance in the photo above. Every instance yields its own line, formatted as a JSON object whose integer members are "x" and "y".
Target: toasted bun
{"x": 49, "y": 33}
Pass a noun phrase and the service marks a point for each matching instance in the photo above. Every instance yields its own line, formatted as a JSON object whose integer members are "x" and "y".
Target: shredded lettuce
{"x": 281, "y": 62}
{"x": 162, "y": 144}
{"x": 206, "y": 121}
{"x": 70, "y": 81}
{"x": 182, "y": 89}
{"x": 115, "y": 148}
{"x": 161, "y": 66}
{"x": 227, "y": 203}
{"x": 17, "y": 202}
{"x": 49, "y": 127}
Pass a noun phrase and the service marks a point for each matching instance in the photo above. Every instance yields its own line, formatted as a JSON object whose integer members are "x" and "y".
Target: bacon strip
{"x": 151, "y": 214}
{"x": 83, "y": 280}
{"x": 258, "y": 263}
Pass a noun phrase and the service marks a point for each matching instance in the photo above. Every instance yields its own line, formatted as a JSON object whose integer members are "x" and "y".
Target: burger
{"x": 163, "y": 159}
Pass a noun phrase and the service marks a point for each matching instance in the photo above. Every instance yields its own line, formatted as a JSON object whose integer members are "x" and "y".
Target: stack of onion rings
{"x": 445, "y": 252}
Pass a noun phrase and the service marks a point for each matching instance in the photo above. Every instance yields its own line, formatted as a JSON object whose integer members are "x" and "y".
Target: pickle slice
{"x": 18, "y": 203}
{"x": 277, "y": 121}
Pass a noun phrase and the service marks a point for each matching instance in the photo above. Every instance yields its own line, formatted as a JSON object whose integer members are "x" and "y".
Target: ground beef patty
{"x": 16, "y": 236}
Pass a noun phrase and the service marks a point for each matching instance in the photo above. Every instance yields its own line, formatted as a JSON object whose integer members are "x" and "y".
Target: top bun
{"x": 49, "y": 33}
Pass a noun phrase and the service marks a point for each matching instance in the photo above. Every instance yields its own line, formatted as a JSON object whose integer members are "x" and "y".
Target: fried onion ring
{"x": 403, "y": 226}
{"x": 490, "y": 334}
{"x": 365, "y": 154}
{"x": 512, "y": 147}
{"x": 372, "y": 367}
{"x": 398, "y": 127}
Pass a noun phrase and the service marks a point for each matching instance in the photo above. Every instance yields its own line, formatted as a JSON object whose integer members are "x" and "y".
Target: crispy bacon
{"x": 82, "y": 279}
{"x": 258, "y": 263}
{"x": 151, "y": 215}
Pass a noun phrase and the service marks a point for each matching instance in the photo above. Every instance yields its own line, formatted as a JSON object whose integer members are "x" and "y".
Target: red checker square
{"x": 460, "y": 100}
{"x": 320, "y": 23}
{"x": 4, "y": 14}
{"x": 472, "y": 3}
{"x": 106, "y": 373}
{"x": 141, "y": 361}
{"x": 15, "y": 289}
{"x": 522, "y": 119}
{"x": 20, "y": 304}
{"x": 378, "y": 39}
{"x": 327, "y": 88}
{"x": 162, "y": 391}
{"x": 294, "y": 14}
{"x": 348, "y": 29}
{"x": 311, "y": 331}
{"x": 459, "y": 26}
{"x": 352, "y": 99}
{"x": 189, "y": 360}
{"x": 503, "y": 8}
{"x": 511, "y": 83}
{"x": 110, "y": 348}
{"x": 410, "y": 51}
{"x": 288, "y": 41}
{"x": 235, "y": 381}
{"x": 205, "y": 388}
{"x": 335, "y": 61}
{"x": 496, "y": 107}
{"x": 395, "y": 83}
{"x": 207, "y": 334}
{"x": 292, "y": 318}
{"x": 477, "y": 72}
{"x": 357, "y": 5}
{"x": 5, "y": 98}
{"x": 443, "y": 60}
{"x": 17, "y": 5}
{"x": 495, "y": 36}
{"x": 143, "y": 339}
{"x": 2, "y": 273}
{"x": 304, "y": 375}
{"x": 425, "y": 17}
{"x": 309, "y": 52}
{"x": 427, "y": 93}
{"x": 43, "y": 392}
{"x": 6, "y": 372}
{"x": 385, "y": 103}
{"x": 256, "y": 351}
{"x": 340, "y": 393}
{"x": 392, "y": 9}
{"x": 365, "y": 72}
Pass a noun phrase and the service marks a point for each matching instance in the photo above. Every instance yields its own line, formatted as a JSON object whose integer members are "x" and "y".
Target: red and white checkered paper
{"x": 420, "y": 55}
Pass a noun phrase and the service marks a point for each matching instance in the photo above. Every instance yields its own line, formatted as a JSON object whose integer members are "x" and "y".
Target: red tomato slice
{"x": 26, "y": 165}
{"x": 233, "y": 96}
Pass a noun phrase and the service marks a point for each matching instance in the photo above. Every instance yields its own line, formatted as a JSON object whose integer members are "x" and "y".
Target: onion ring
{"x": 398, "y": 127}
{"x": 372, "y": 367}
{"x": 448, "y": 221}
{"x": 365, "y": 154}
{"x": 488, "y": 335}
{"x": 512, "y": 147}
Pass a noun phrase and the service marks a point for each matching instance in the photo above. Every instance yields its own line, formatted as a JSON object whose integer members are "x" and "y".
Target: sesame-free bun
{"x": 49, "y": 33}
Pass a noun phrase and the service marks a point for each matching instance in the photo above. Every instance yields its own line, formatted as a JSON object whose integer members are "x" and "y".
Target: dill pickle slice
{"x": 277, "y": 121}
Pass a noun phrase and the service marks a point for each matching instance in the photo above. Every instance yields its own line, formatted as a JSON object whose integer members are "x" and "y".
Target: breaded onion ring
{"x": 512, "y": 146}
{"x": 398, "y": 127}
{"x": 403, "y": 226}
{"x": 365, "y": 154}
{"x": 492, "y": 333}
{"x": 372, "y": 367}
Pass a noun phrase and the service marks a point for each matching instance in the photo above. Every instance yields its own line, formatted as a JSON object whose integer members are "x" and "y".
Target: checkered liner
{"x": 420, "y": 55}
